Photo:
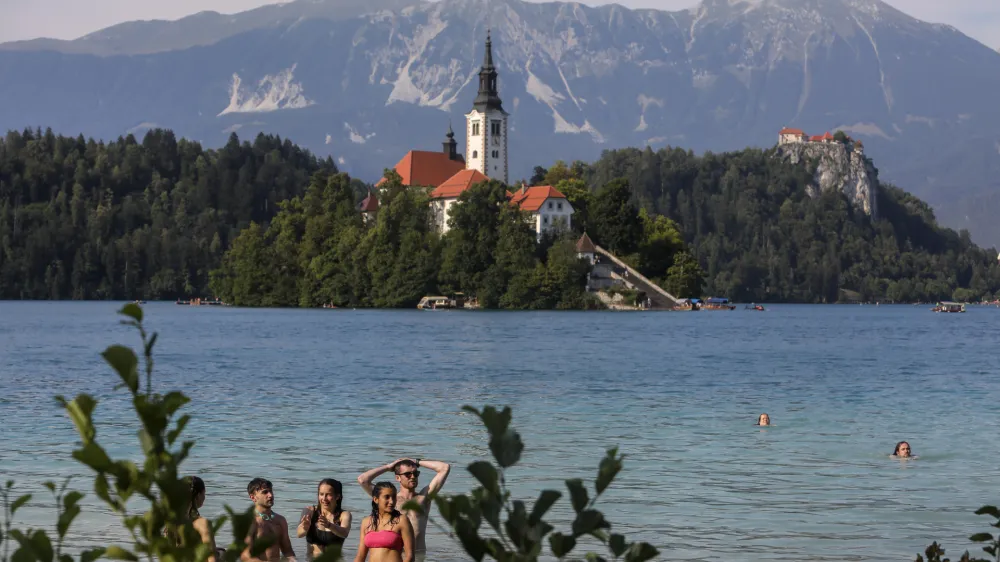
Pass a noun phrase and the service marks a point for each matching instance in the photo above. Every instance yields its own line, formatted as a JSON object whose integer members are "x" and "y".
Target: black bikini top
{"x": 319, "y": 537}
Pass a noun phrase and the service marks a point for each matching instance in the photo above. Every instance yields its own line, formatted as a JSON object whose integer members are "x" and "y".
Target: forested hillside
{"x": 81, "y": 219}
{"x": 761, "y": 237}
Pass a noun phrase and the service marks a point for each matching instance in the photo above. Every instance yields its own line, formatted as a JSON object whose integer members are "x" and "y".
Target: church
{"x": 449, "y": 173}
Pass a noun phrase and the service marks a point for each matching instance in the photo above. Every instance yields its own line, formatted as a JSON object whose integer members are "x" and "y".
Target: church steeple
{"x": 450, "y": 145}
{"x": 488, "y": 96}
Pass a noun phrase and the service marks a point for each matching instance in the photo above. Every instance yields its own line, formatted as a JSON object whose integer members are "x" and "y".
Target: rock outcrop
{"x": 840, "y": 166}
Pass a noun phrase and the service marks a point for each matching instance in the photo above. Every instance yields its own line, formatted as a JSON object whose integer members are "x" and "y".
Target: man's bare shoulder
{"x": 279, "y": 519}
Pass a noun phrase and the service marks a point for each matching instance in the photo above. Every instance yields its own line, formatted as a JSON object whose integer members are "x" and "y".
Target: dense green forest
{"x": 319, "y": 250}
{"x": 82, "y": 219}
{"x": 760, "y": 237}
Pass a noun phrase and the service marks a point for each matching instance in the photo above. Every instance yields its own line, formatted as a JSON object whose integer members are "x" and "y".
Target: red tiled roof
{"x": 456, "y": 184}
{"x": 532, "y": 198}
{"x": 370, "y": 204}
{"x": 585, "y": 245}
{"x": 426, "y": 168}
{"x": 788, "y": 131}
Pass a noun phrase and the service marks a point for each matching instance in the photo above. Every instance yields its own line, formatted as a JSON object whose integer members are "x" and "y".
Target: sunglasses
{"x": 413, "y": 473}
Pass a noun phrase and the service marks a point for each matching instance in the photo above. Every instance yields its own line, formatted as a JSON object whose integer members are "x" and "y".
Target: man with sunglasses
{"x": 407, "y": 474}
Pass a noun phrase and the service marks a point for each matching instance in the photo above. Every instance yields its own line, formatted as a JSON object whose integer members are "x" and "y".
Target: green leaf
{"x": 93, "y": 456}
{"x": 578, "y": 494}
{"x": 640, "y": 552}
{"x": 173, "y": 401}
{"x": 545, "y": 501}
{"x": 133, "y": 310}
{"x": 594, "y": 557}
{"x": 71, "y": 499}
{"x": 119, "y": 553}
{"x": 181, "y": 424}
{"x": 588, "y": 521}
{"x": 331, "y": 553}
{"x": 610, "y": 466}
{"x": 19, "y": 502}
{"x": 42, "y": 546}
{"x": 981, "y": 537}
{"x": 124, "y": 361}
{"x": 487, "y": 476}
{"x": 990, "y": 510}
{"x": 561, "y": 544}
{"x": 506, "y": 448}
{"x": 80, "y": 411}
{"x": 617, "y": 544}
{"x": 50, "y": 485}
{"x": 472, "y": 543}
{"x": 65, "y": 519}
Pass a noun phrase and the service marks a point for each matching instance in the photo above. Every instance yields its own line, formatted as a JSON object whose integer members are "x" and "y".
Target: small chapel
{"x": 449, "y": 173}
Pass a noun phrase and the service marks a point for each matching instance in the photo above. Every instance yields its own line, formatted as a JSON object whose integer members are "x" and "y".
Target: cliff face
{"x": 839, "y": 166}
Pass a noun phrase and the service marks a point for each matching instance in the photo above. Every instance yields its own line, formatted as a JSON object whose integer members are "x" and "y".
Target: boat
{"x": 717, "y": 303}
{"x": 436, "y": 303}
{"x": 754, "y": 307}
{"x": 948, "y": 306}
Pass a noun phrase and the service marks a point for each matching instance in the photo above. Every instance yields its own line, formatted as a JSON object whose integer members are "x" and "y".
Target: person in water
{"x": 200, "y": 524}
{"x": 385, "y": 534}
{"x": 902, "y": 451}
{"x": 325, "y": 523}
{"x": 267, "y": 523}
{"x": 407, "y": 474}
{"x": 764, "y": 419}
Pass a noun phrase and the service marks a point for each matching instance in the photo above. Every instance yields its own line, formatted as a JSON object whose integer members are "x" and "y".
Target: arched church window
{"x": 475, "y": 154}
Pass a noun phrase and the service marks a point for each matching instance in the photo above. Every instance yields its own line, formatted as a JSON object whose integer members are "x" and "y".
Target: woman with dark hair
{"x": 200, "y": 524}
{"x": 386, "y": 535}
{"x": 325, "y": 523}
{"x": 902, "y": 451}
{"x": 763, "y": 419}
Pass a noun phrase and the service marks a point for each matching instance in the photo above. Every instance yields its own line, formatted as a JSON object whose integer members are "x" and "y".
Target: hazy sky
{"x": 68, "y": 19}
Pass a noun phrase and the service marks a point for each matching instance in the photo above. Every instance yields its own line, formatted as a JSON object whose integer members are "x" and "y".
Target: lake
{"x": 300, "y": 395}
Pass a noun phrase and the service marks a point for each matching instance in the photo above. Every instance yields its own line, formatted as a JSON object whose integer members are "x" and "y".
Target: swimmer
{"x": 407, "y": 474}
{"x": 267, "y": 523}
{"x": 326, "y": 523}
{"x": 200, "y": 524}
{"x": 385, "y": 533}
{"x": 902, "y": 451}
{"x": 763, "y": 419}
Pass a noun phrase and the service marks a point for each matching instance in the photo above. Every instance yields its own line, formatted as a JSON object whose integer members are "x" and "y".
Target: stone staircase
{"x": 635, "y": 280}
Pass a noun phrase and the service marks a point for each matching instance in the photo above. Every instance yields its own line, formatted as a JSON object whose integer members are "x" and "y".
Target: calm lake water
{"x": 300, "y": 395}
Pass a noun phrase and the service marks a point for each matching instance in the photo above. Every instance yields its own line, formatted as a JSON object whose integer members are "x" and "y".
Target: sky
{"x": 69, "y": 19}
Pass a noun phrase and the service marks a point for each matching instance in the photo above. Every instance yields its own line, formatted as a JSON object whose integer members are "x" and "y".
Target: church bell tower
{"x": 486, "y": 124}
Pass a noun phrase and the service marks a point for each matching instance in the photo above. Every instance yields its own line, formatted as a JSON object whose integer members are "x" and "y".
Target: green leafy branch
{"x": 935, "y": 553}
{"x": 521, "y": 536}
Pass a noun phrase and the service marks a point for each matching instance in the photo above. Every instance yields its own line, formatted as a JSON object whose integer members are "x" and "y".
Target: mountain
{"x": 577, "y": 80}
{"x": 203, "y": 28}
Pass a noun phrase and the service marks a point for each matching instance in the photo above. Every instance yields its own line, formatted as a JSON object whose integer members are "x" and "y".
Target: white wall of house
{"x": 554, "y": 214}
{"x": 441, "y": 210}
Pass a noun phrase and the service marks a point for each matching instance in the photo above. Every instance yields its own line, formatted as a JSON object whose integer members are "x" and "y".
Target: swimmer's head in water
{"x": 330, "y": 494}
{"x": 764, "y": 419}
{"x": 407, "y": 474}
{"x": 902, "y": 449}
{"x": 261, "y": 492}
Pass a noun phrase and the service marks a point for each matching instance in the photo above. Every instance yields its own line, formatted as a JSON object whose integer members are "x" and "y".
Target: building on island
{"x": 549, "y": 209}
{"x": 369, "y": 207}
{"x": 449, "y": 173}
{"x": 585, "y": 249}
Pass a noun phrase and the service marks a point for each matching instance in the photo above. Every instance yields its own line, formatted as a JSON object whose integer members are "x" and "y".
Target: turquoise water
{"x": 300, "y": 395}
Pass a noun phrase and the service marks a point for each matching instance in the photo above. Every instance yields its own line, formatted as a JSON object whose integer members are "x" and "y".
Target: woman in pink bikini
{"x": 384, "y": 533}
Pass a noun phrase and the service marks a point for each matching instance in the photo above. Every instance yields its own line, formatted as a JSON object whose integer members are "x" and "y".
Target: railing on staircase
{"x": 636, "y": 276}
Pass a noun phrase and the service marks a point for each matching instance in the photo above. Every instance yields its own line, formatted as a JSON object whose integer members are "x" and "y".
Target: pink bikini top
{"x": 384, "y": 539}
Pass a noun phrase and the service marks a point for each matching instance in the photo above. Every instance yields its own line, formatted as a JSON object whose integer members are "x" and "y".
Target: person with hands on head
{"x": 407, "y": 474}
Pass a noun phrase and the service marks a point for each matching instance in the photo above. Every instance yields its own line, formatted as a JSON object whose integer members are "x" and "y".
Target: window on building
{"x": 475, "y": 154}
{"x": 475, "y": 129}
{"x": 550, "y": 205}
{"x": 559, "y": 205}
{"x": 545, "y": 220}
{"x": 495, "y": 128}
